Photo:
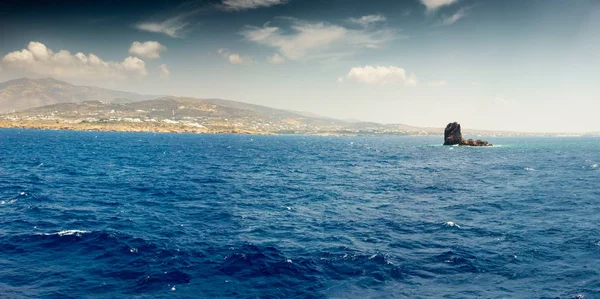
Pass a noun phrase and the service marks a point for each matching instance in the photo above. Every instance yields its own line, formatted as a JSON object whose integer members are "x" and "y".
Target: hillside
{"x": 53, "y": 104}
{"x": 27, "y": 93}
{"x": 179, "y": 114}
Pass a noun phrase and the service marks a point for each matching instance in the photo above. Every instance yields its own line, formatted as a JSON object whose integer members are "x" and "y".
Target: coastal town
{"x": 171, "y": 115}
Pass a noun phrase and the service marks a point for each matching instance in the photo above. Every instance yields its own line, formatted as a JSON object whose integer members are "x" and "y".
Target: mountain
{"x": 27, "y": 93}
{"x": 181, "y": 114}
{"x": 52, "y": 104}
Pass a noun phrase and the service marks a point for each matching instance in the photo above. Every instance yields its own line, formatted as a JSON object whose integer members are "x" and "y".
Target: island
{"x": 453, "y": 136}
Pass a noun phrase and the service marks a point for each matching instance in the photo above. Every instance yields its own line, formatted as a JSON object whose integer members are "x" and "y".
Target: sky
{"x": 501, "y": 65}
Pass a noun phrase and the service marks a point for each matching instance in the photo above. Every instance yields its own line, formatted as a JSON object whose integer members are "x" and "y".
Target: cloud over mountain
{"x": 461, "y": 13}
{"x": 148, "y": 50}
{"x": 367, "y": 20}
{"x": 249, "y": 4}
{"x": 433, "y": 5}
{"x": 276, "y": 59}
{"x": 381, "y": 75}
{"x": 164, "y": 71}
{"x": 309, "y": 40}
{"x": 40, "y": 60}
{"x": 234, "y": 58}
{"x": 172, "y": 26}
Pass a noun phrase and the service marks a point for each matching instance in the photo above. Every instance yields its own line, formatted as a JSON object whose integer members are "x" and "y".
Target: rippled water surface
{"x": 86, "y": 214}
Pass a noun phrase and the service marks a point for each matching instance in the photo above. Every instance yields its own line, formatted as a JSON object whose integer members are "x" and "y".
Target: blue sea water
{"x": 113, "y": 215}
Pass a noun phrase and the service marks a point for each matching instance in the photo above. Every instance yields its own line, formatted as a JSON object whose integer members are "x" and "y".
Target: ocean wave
{"x": 115, "y": 256}
{"x": 62, "y": 233}
{"x": 5, "y": 202}
{"x": 23, "y": 195}
{"x": 296, "y": 217}
{"x": 72, "y": 232}
{"x": 451, "y": 224}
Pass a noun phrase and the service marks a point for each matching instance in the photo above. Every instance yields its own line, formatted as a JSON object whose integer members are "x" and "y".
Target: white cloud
{"x": 164, "y": 71}
{"x": 433, "y": 5}
{"x": 134, "y": 65}
{"x": 437, "y": 83}
{"x": 249, "y": 4}
{"x": 171, "y": 26}
{"x": 366, "y": 21}
{"x": 461, "y": 13}
{"x": 381, "y": 75}
{"x": 276, "y": 59}
{"x": 38, "y": 59}
{"x": 340, "y": 79}
{"x": 234, "y": 58}
{"x": 259, "y": 34}
{"x": 316, "y": 40}
{"x": 501, "y": 101}
{"x": 149, "y": 49}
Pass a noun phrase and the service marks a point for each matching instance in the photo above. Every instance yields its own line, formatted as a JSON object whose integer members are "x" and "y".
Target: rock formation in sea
{"x": 453, "y": 136}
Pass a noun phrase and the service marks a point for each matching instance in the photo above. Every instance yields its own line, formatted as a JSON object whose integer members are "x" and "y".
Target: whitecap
{"x": 72, "y": 232}
{"x": 4, "y": 202}
{"x": 451, "y": 224}
{"x": 288, "y": 261}
{"x": 64, "y": 233}
{"x": 529, "y": 169}
{"x": 594, "y": 166}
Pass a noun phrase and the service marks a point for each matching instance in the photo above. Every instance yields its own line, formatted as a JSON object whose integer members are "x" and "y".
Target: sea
{"x": 144, "y": 215}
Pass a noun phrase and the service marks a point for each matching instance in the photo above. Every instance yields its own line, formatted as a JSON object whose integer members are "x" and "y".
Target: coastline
{"x": 161, "y": 127}
{"x": 122, "y": 127}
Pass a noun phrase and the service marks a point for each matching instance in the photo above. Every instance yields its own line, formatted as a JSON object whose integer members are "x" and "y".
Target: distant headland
{"x": 51, "y": 104}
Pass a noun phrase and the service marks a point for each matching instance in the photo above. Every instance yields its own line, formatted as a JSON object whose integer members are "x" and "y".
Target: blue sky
{"x": 504, "y": 65}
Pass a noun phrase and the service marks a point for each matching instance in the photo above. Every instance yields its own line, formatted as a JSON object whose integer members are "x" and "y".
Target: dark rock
{"x": 481, "y": 143}
{"x": 453, "y": 136}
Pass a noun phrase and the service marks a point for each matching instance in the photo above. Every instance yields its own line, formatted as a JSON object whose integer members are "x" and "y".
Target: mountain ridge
{"x": 25, "y": 93}
{"x": 51, "y": 103}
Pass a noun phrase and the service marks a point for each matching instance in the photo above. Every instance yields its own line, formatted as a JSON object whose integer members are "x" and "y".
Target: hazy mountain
{"x": 40, "y": 102}
{"x": 180, "y": 114}
{"x": 27, "y": 93}
{"x": 214, "y": 114}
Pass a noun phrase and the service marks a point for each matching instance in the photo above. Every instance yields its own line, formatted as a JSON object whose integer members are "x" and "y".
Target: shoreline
{"x": 180, "y": 129}
{"x": 127, "y": 127}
